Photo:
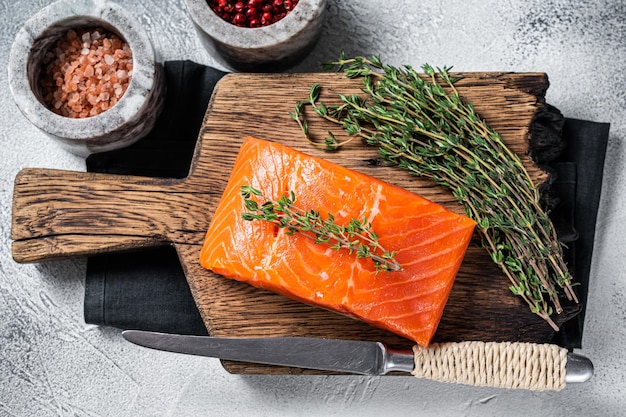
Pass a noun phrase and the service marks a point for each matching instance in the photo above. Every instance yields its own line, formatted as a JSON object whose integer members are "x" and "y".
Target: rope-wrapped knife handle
{"x": 530, "y": 366}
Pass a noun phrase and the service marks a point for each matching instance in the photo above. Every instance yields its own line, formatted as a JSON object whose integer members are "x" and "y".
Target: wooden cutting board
{"x": 59, "y": 214}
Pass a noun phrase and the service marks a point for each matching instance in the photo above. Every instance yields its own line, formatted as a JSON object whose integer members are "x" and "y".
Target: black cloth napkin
{"x": 148, "y": 290}
{"x": 579, "y": 182}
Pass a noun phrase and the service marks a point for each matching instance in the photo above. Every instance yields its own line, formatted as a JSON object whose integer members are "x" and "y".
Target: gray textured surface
{"x": 52, "y": 364}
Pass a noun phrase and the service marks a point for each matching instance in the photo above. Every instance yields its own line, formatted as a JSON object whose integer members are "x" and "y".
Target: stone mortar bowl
{"x": 275, "y": 47}
{"x": 129, "y": 119}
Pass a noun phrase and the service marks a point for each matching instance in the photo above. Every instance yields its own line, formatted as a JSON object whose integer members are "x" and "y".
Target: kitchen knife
{"x": 497, "y": 364}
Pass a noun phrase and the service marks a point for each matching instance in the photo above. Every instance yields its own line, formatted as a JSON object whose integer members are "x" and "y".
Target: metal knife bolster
{"x": 506, "y": 365}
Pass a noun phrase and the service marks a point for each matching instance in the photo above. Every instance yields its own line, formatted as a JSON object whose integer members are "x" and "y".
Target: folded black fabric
{"x": 148, "y": 290}
{"x": 167, "y": 150}
{"x": 144, "y": 290}
{"x": 581, "y": 167}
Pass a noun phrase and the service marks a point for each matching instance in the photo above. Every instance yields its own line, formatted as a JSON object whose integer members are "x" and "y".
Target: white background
{"x": 52, "y": 364}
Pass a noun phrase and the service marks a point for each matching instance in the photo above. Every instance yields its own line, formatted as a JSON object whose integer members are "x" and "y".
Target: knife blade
{"x": 506, "y": 365}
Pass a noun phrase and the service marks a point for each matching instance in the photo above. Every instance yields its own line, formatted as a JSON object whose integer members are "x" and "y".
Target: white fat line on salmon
{"x": 375, "y": 208}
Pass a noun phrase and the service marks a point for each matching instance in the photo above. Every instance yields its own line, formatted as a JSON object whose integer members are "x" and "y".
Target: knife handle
{"x": 530, "y": 366}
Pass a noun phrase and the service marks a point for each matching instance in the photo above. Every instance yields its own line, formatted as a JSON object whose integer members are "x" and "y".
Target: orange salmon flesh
{"x": 430, "y": 241}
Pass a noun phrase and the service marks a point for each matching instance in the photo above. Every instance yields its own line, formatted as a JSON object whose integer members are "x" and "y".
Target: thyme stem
{"x": 357, "y": 236}
{"x": 420, "y": 123}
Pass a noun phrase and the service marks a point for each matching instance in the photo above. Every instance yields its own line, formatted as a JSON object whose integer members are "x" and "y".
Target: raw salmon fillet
{"x": 430, "y": 241}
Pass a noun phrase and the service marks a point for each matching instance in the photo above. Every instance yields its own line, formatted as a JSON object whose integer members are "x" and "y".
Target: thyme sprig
{"x": 357, "y": 236}
{"x": 420, "y": 123}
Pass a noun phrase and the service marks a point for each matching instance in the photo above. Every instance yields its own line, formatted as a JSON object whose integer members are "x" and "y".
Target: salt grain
{"x": 77, "y": 69}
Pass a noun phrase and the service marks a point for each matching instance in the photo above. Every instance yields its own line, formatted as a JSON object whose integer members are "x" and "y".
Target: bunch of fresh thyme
{"x": 357, "y": 236}
{"x": 422, "y": 127}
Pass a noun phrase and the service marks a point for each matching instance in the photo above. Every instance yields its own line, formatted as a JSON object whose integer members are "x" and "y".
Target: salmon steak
{"x": 429, "y": 241}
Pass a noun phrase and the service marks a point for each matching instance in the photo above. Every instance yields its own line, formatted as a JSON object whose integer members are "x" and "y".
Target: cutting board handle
{"x": 59, "y": 214}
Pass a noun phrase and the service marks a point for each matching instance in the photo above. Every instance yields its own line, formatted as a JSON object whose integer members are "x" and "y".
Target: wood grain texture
{"x": 58, "y": 213}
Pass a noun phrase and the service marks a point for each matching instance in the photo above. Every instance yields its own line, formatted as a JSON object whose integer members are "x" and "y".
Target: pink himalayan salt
{"x": 86, "y": 73}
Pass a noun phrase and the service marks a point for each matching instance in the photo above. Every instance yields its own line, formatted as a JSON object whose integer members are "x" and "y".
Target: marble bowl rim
{"x": 61, "y": 14}
{"x": 253, "y": 38}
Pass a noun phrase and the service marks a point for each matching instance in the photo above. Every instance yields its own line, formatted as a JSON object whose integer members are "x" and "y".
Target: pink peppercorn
{"x": 252, "y": 13}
